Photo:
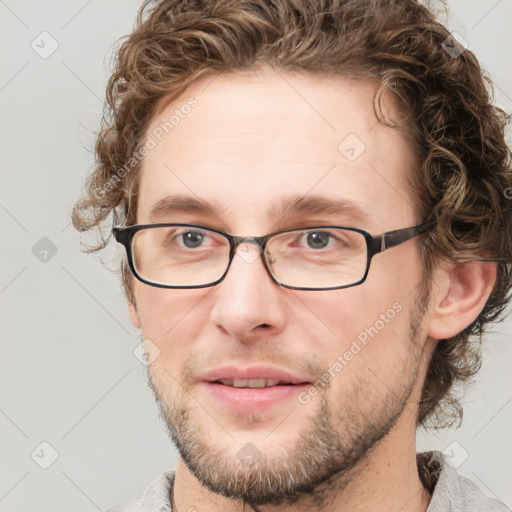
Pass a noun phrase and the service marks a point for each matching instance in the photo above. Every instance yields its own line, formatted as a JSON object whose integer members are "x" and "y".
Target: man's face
{"x": 252, "y": 141}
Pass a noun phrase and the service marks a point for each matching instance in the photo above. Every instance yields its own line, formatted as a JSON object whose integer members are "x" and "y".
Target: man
{"x": 312, "y": 200}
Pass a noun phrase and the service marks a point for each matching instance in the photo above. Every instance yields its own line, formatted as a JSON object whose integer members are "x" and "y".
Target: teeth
{"x": 250, "y": 383}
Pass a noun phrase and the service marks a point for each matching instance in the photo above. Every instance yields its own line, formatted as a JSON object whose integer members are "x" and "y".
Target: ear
{"x": 459, "y": 293}
{"x": 133, "y": 314}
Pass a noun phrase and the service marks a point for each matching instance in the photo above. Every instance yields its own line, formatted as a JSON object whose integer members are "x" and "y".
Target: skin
{"x": 253, "y": 138}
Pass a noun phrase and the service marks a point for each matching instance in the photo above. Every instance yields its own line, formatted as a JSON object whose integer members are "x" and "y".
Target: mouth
{"x": 252, "y": 383}
{"x": 252, "y": 390}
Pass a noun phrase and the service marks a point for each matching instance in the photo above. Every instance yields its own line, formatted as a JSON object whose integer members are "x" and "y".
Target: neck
{"x": 386, "y": 480}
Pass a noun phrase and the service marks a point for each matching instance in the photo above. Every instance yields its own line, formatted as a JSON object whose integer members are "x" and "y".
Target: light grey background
{"x": 69, "y": 375}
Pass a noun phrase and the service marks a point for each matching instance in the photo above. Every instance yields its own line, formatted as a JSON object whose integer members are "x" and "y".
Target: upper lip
{"x": 252, "y": 372}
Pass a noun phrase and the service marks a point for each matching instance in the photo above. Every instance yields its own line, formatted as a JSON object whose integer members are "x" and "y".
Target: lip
{"x": 253, "y": 372}
{"x": 252, "y": 400}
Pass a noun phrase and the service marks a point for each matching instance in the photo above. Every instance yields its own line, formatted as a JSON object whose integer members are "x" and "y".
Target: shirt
{"x": 450, "y": 491}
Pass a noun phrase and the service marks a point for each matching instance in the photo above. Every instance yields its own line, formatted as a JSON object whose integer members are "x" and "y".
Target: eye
{"x": 192, "y": 239}
{"x": 318, "y": 239}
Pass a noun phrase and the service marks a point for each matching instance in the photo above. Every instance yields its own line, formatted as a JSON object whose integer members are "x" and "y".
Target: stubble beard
{"x": 332, "y": 448}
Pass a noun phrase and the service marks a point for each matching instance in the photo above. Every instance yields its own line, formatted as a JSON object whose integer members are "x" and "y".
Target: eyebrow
{"x": 180, "y": 204}
{"x": 280, "y": 208}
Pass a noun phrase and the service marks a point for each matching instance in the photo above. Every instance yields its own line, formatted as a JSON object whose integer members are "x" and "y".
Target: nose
{"x": 248, "y": 303}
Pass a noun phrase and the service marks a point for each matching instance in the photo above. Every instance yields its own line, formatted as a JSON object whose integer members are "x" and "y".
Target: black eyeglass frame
{"x": 374, "y": 244}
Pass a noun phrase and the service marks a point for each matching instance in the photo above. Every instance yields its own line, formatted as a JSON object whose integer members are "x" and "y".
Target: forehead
{"x": 244, "y": 142}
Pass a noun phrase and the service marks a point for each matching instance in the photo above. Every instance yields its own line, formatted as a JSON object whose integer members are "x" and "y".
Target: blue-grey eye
{"x": 318, "y": 239}
{"x": 192, "y": 239}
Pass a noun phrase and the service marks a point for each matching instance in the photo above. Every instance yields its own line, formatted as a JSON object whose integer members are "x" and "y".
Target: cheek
{"x": 158, "y": 307}
{"x": 343, "y": 314}
{"x": 369, "y": 352}
{"x": 357, "y": 328}
{"x": 169, "y": 318}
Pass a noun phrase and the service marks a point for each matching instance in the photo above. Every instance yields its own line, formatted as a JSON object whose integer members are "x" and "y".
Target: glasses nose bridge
{"x": 260, "y": 241}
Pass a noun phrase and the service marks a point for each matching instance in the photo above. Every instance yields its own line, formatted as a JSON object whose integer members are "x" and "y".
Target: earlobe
{"x": 134, "y": 315}
{"x": 460, "y": 298}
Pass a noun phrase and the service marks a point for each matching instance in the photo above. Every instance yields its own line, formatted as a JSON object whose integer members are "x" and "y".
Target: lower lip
{"x": 253, "y": 400}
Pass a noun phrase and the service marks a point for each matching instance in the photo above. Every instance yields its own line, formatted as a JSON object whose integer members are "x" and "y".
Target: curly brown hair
{"x": 456, "y": 131}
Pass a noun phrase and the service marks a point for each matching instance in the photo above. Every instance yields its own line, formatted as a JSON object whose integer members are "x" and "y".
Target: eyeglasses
{"x": 181, "y": 255}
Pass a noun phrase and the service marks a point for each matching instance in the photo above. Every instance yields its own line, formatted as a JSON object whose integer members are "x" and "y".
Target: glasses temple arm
{"x": 398, "y": 236}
